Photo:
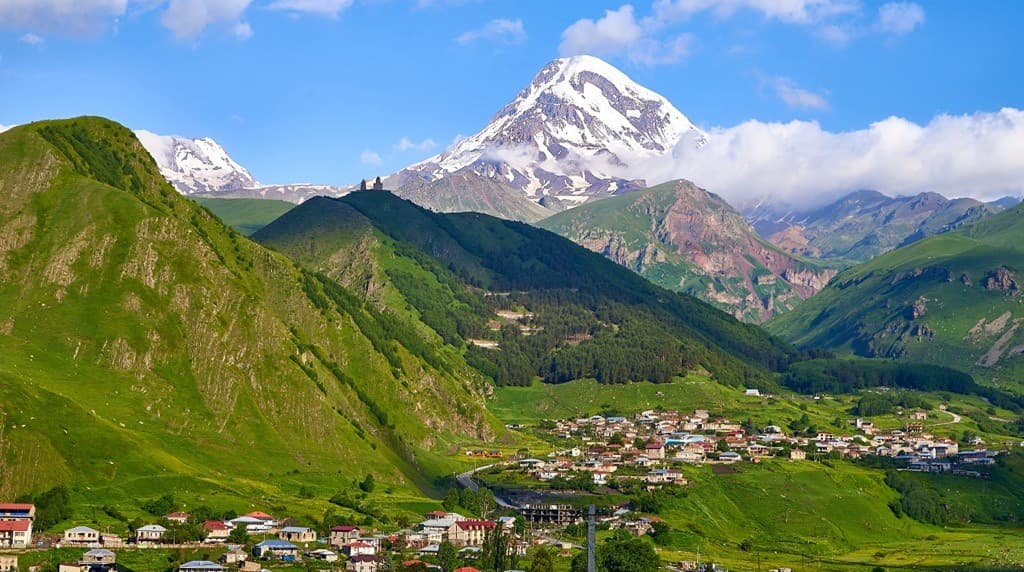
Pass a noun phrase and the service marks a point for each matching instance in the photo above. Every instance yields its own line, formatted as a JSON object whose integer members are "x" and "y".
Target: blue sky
{"x": 326, "y": 91}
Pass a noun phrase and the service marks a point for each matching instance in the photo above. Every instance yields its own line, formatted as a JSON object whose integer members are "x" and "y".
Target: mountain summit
{"x": 196, "y": 165}
{"x": 569, "y": 137}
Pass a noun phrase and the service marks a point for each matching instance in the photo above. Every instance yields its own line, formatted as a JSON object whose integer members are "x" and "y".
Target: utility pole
{"x": 591, "y": 540}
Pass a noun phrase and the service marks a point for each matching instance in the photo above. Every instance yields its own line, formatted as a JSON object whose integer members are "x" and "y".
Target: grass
{"x": 246, "y": 215}
{"x": 148, "y": 348}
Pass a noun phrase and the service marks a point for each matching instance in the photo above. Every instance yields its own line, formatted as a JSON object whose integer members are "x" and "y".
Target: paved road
{"x": 956, "y": 419}
{"x": 466, "y": 480}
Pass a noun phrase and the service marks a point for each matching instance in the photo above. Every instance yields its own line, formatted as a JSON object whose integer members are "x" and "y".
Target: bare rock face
{"x": 1001, "y": 279}
{"x": 688, "y": 239}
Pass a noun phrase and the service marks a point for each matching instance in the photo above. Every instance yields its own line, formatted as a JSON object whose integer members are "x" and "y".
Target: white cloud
{"x": 801, "y": 163}
{"x": 405, "y": 144}
{"x": 792, "y": 95}
{"x": 72, "y": 17}
{"x": 322, "y": 7}
{"x": 501, "y": 31}
{"x": 368, "y": 157}
{"x": 836, "y": 34}
{"x": 188, "y": 18}
{"x": 900, "y": 17}
{"x": 788, "y": 11}
{"x": 620, "y": 33}
{"x": 242, "y": 31}
{"x": 31, "y": 39}
{"x": 5, "y": 128}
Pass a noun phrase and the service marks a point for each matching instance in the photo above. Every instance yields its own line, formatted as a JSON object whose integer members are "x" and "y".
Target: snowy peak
{"x": 573, "y": 133}
{"x": 196, "y": 165}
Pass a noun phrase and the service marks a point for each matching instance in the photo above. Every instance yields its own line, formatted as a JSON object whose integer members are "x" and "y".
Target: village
{"x": 650, "y": 448}
{"x": 651, "y": 445}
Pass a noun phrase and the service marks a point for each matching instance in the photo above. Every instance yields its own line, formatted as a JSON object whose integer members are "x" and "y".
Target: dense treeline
{"x": 921, "y": 502}
{"x": 872, "y": 404}
{"x": 495, "y": 255}
{"x": 847, "y": 376}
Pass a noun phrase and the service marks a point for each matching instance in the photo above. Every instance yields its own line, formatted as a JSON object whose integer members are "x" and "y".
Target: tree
{"x": 628, "y": 555}
{"x": 447, "y": 556}
{"x": 238, "y": 535}
{"x": 542, "y": 561}
{"x": 160, "y": 506}
{"x": 368, "y": 483}
{"x": 497, "y": 552}
{"x": 485, "y": 501}
{"x": 451, "y": 500}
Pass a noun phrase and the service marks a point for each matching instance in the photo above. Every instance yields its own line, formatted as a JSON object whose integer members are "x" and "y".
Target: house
{"x": 98, "y": 560}
{"x": 362, "y": 564}
{"x": 729, "y": 457}
{"x": 150, "y": 533}
{"x": 325, "y": 555}
{"x": 277, "y": 549}
{"x": 469, "y": 532}
{"x": 234, "y": 556}
{"x": 359, "y": 548}
{"x": 15, "y": 533}
{"x": 752, "y": 393}
{"x": 178, "y": 517}
{"x": 111, "y": 540}
{"x": 216, "y": 531}
{"x": 249, "y": 566}
{"x": 797, "y": 454}
{"x": 200, "y": 566}
{"x": 436, "y": 529}
{"x": 16, "y": 521}
{"x": 252, "y": 524}
{"x": 268, "y": 520}
{"x": 508, "y": 523}
{"x": 8, "y": 563}
{"x": 17, "y": 511}
{"x": 343, "y": 534}
{"x": 297, "y": 534}
{"x": 655, "y": 449}
{"x": 81, "y": 536}
{"x": 465, "y": 569}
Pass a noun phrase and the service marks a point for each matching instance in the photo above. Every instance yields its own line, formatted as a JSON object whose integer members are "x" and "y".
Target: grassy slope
{"x": 246, "y": 215}
{"x": 476, "y": 251}
{"x": 631, "y": 222}
{"x": 149, "y": 348}
{"x": 866, "y": 309}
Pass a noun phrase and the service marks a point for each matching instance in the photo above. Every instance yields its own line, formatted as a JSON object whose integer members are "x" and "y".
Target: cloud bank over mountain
{"x": 976, "y": 155}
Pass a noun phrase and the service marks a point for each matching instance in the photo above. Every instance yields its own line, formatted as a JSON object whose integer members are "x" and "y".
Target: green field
{"x": 246, "y": 215}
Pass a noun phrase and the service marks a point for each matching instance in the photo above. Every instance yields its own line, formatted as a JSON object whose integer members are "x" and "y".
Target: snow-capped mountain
{"x": 196, "y": 165}
{"x": 573, "y": 134}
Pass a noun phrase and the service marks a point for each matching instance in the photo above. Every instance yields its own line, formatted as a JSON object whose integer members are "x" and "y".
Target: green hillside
{"x": 148, "y": 348}
{"x": 951, "y": 299}
{"x": 684, "y": 238}
{"x": 246, "y": 215}
{"x": 519, "y": 301}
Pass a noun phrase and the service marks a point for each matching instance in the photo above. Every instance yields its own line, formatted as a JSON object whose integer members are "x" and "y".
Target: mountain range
{"x": 864, "y": 224}
{"x": 951, "y": 299}
{"x": 684, "y": 238}
{"x": 146, "y": 344}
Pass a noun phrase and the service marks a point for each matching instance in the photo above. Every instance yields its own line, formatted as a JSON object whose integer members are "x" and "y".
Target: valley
{"x": 447, "y": 286}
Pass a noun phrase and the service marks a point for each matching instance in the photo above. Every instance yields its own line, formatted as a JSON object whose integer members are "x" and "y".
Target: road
{"x": 466, "y": 481}
{"x": 956, "y": 419}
